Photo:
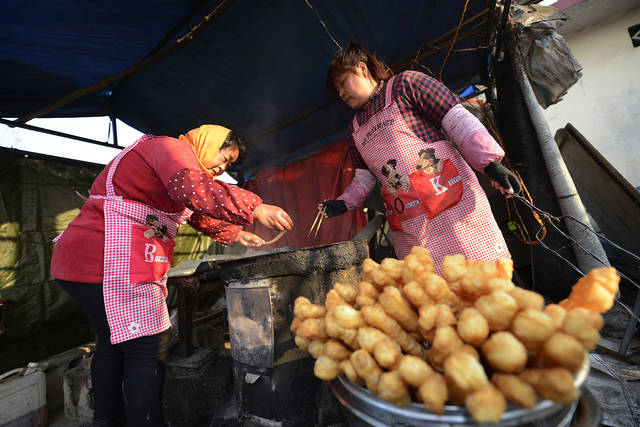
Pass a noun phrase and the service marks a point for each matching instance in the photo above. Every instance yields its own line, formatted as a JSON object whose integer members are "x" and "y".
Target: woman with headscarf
{"x": 114, "y": 256}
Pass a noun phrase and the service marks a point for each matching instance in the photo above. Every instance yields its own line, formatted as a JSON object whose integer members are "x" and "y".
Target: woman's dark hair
{"x": 348, "y": 58}
{"x": 232, "y": 141}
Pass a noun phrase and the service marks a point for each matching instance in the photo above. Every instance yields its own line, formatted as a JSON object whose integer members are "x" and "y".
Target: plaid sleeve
{"x": 429, "y": 97}
{"x": 356, "y": 159}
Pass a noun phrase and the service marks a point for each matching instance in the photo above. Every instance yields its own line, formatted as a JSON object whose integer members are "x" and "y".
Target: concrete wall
{"x": 605, "y": 104}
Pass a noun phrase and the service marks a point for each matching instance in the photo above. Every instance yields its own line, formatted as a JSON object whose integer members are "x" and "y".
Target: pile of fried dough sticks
{"x": 466, "y": 337}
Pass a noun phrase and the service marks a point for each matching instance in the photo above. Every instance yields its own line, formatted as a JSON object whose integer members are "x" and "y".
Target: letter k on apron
{"x": 431, "y": 195}
{"x": 138, "y": 250}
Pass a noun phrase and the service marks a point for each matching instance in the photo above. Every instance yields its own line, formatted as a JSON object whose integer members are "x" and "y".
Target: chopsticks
{"x": 318, "y": 219}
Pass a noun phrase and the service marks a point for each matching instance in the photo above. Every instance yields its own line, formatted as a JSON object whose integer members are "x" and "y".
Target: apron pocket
{"x": 438, "y": 191}
{"x": 151, "y": 256}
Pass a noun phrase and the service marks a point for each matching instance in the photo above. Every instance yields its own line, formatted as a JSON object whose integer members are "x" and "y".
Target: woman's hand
{"x": 249, "y": 239}
{"x": 332, "y": 208}
{"x": 502, "y": 179}
{"x": 273, "y": 217}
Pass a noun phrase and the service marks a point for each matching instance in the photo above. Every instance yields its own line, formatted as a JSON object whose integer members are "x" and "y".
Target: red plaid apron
{"x": 137, "y": 257}
{"x": 442, "y": 208}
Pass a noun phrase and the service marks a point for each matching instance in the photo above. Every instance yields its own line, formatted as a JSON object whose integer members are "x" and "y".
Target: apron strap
{"x": 114, "y": 164}
{"x": 387, "y": 92}
{"x": 180, "y": 218}
{"x": 387, "y": 101}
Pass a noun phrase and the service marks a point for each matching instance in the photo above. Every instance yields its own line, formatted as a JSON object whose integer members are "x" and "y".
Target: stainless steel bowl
{"x": 367, "y": 409}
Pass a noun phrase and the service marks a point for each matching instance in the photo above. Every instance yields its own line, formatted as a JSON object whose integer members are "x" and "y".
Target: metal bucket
{"x": 261, "y": 290}
{"x": 366, "y": 409}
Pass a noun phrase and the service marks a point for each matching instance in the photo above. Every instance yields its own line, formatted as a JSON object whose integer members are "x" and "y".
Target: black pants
{"x": 127, "y": 377}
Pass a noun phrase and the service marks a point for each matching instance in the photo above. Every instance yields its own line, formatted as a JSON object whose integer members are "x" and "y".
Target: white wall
{"x": 604, "y": 105}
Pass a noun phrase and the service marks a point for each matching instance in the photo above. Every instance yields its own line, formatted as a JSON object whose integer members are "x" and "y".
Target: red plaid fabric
{"x": 133, "y": 309}
{"x": 422, "y": 100}
{"x": 391, "y": 150}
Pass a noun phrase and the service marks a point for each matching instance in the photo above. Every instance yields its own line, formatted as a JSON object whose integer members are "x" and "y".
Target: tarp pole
{"x": 115, "y": 129}
{"x": 12, "y": 124}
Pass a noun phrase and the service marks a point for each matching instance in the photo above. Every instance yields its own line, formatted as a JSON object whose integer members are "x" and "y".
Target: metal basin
{"x": 367, "y": 409}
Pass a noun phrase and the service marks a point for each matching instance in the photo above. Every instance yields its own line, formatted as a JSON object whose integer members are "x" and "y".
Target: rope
{"x": 323, "y": 24}
{"x": 454, "y": 38}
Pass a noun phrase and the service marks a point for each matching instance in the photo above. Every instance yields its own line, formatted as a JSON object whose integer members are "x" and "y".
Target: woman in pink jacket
{"x": 114, "y": 256}
{"x": 431, "y": 195}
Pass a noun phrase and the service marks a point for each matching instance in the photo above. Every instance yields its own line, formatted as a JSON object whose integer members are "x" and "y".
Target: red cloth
{"x": 143, "y": 175}
{"x": 299, "y": 187}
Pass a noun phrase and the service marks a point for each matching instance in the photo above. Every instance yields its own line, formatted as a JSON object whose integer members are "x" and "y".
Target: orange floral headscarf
{"x": 206, "y": 142}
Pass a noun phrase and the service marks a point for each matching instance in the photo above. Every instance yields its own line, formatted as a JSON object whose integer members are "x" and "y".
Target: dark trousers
{"x": 127, "y": 377}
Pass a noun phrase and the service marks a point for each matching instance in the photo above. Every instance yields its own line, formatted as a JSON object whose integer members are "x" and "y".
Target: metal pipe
{"x": 369, "y": 230}
{"x": 115, "y": 129}
{"x": 630, "y": 330}
{"x": 13, "y": 124}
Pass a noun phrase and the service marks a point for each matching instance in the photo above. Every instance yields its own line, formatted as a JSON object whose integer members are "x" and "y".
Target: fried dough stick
{"x": 375, "y": 316}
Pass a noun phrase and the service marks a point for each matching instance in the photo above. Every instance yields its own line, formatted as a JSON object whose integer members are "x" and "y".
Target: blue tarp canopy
{"x": 256, "y": 66}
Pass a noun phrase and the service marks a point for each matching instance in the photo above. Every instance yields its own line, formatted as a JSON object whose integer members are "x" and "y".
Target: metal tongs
{"x": 318, "y": 219}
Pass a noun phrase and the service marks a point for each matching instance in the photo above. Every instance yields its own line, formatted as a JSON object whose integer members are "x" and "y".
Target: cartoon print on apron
{"x": 432, "y": 197}
{"x": 138, "y": 251}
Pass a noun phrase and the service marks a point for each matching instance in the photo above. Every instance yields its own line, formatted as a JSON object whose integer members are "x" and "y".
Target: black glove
{"x": 503, "y": 176}
{"x": 334, "y": 207}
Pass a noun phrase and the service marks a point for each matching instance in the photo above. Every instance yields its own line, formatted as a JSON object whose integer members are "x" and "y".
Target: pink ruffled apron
{"x": 431, "y": 195}
{"x": 138, "y": 250}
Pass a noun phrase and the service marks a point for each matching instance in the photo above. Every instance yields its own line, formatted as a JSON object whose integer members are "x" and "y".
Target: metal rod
{"x": 369, "y": 230}
{"x": 185, "y": 323}
{"x": 115, "y": 130}
{"x": 206, "y": 22}
{"x": 503, "y": 23}
{"x": 12, "y": 124}
{"x": 218, "y": 316}
{"x": 630, "y": 331}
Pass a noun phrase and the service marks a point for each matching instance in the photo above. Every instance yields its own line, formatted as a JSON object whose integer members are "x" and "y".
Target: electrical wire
{"x": 323, "y": 24}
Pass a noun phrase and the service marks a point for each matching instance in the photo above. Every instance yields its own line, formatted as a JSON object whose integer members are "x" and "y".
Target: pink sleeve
{"x": 474, "y": 141}
{"x": 355, "y": 194}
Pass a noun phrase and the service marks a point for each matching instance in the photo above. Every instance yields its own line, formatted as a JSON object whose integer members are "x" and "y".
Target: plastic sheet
{"x": 551, "y": 67}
